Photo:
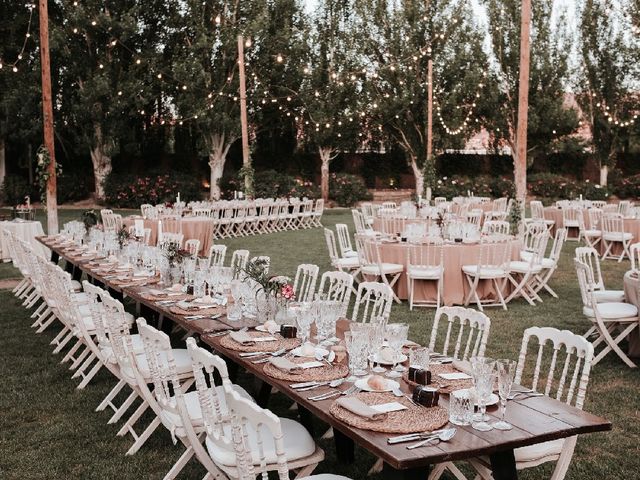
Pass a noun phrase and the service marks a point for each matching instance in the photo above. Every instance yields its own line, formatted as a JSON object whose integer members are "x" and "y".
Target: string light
{"x": 31, "y": 7}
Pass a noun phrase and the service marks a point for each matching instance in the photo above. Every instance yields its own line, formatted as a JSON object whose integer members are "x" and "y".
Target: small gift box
{"x": 426, "y": 396}
{"x": 288, "y": 331}
{"x": 420, "y": 375}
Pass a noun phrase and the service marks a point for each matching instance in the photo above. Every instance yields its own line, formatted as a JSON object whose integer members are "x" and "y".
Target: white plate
{"x": 378, "y": 359}
{"x": 319, "y": 350}
{"x": 363, "y": 385}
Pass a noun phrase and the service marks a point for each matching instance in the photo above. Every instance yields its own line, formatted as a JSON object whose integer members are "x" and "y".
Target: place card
{"x": 388, "y": 407}
{"x": 312, "y": 364}
{"x": 455, "y": 376}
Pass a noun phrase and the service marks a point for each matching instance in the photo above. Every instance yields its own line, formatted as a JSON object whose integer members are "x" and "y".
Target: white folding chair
{"x": 571, "y": 220}
{"x": 373, "y": 268}
{"x": 608, "y": 318}
{"x": 349, "y": 264}
{"x": 216, "y": 255}
{"x": 425, "y": 262}
{"x": 192, "y": 246}
{"x": 493, "y": 267}
{"x": 467, "y": 332}
{"x": 522, "y": 273}
{"x": 589, "y": 256}
{"x": 614, "y": 235}
{"x": 304, "y": 283}
{"x": 496, "y": 227}
{"x": 239, "y": 261}
{"x": 170, "y": 238}
{"x": 344, "y": 241}
{"x": 549, "y": 264}
{"x": 373, "y": 302}
{"x": 574, "y": 355}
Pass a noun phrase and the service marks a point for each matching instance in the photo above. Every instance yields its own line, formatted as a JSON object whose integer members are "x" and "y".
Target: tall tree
{"x": 106, "y": 54}
{"x": 609, "y": 56}
{"x": 331, "y": 117}
{"x": 549, "y": 119}
{"x": 398, "y": 39}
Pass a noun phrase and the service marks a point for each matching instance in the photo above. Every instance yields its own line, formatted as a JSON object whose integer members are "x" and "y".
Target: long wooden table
{"x": 535, "y": 419}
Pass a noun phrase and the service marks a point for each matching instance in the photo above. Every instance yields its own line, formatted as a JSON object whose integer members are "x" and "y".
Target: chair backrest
{"x": 217, "y": 254}
{"x": 537, "y": 210}
{"x": 589, "y": 256}
{"x": 500, "y": 204}
{"x": 467, "y": 332}
{"x": 359, "y": 221}
{"x": 496, "y": 227}
{"x": 331, "y": 245}
{"x": 367, "y": 210}
{"x": 474, "y": 217}
{"x": 426, "y": 255}
{"x": 558, "y": 241}
{"x": 304, "y": 283}
{"x": 344, "y": 240}
{"x": 595, "y": 218}
{"x": 623, "y": 207}
{"x": 389, "y": 205}
{"x": 318, "y": 209}
{"x": 171, "y": 238}
{"x": 251, "y": 459}
{"x": 192, "y": 246}
{"x": 613, "y": 223}
{"x": 162, "y": 366}
{"x": 239, "y": 260}
{"x": 570, "y": 382}
{"x": 438, "y": 200}
{"x": 372, "y": 301}
{"x": 571, "y": 215}
{"x": 494, "y": 254}
{"x": 634, "y": 250}
{"x": 337, "y": 286}
{"x": 531, "y": 230}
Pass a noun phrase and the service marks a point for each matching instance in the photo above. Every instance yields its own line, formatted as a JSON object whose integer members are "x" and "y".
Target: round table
{"x": 486, "y": 207}
{"x": 200, "y": 228}
{"x": 455, "y": 286}
{"x": 25, "y": 230}
{"x": 631, "y": 284}
{"x": 400, "y": 223}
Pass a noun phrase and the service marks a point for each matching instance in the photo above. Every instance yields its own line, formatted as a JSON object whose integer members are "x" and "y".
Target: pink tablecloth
{"x": 455, "y": 287}
{"x": 486, "y": 207}
{"x": 200, "y": 228}
{"x": 399, "y": 223}
{"x": 631, "y": 293}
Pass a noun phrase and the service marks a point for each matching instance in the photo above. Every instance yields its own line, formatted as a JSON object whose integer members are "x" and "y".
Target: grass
{"x": 49, "y": 430}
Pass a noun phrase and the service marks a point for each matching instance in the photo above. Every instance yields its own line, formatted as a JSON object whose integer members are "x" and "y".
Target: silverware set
{"x": 303, "y": 387}
{"x": 199, "y": 317}
{"x": 325, "y": 396}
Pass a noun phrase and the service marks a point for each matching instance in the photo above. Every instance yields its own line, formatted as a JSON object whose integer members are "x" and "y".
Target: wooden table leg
{"x": 306, "y": 419}
{"x": 344, "y": 447}
{"x": 419, "y": 473}
{"x": 503, "y": 465}
{"x": 55, "y": 257}
{"x": 264, "y": 392}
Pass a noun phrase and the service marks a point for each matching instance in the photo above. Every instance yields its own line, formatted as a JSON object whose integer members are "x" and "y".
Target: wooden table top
{"x": 535, "y": 420}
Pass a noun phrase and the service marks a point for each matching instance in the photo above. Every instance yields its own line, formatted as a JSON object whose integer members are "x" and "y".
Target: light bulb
{"x": 247, "y": 43}
{"x": 279, "y": 58}
{"x": 218, "y": 19}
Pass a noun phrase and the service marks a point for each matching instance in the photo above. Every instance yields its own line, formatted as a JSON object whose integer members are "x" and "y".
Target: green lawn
{"x": 49, "y": 430}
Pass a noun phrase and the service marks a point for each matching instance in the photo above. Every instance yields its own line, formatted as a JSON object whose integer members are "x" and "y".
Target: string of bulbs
{"x": 14, "y": 65}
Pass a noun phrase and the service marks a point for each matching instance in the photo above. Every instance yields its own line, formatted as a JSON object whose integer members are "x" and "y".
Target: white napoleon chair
{"x": 634, "y": 250}
{"x": 614, "y": 235}
{"x": 467, "y": 332}
{"x": 349, "y": 264}
{"x": 170, "y": 238}
{"x": 425, "y": 263}
{"x": 549, "y": 264}
{"x": 566, "y": 381}
{"x": 344, "y": 241}
{"x": 592, "y": 234}
{"x": 373, "y": 268}
{"x": 589, "y": 256}
{"x": 537, "y": 215}
{"x": 192, "y": 246}
{"x": 216, "y": 255}
{"x": 496, "y": 227}
{"x": 571, "y": 219}
{"x": 612, "y": 321}
{"x": 239, "y": 260}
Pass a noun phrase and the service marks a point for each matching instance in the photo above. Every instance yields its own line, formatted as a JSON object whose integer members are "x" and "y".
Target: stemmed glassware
{"x": 506, "y": 372}
{"x": 377, "y": 338}
{"x": 357, "y": 351}
{"x": 304, "y": 318}
{"x": 484, "y": 376}
{"x": 396, "y": 336}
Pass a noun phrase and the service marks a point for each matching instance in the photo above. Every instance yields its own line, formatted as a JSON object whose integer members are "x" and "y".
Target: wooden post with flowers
{"x": 47, "y": 118}
{"x": 246, "y": 156}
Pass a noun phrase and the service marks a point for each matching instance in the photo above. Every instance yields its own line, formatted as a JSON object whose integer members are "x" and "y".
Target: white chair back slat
{"x": 336, "y": 286}
{"x": 472, "y": 332}
{"x": 373, "y": 302}
{"x": 304, "y": 284}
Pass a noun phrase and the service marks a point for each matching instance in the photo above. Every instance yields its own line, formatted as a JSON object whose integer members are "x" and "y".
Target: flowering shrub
{"x": 548, "y": 185}
{"x": 131, "y": 191}
{"x": 72, "y": 187}
{"x": 483, "y": 186}
{"x": 272, "y": 184}
{"x": 628, "y": 187}
{"x": 347, "y": 189}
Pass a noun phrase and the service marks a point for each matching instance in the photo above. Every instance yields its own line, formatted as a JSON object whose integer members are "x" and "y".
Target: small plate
{"x": 319, "y": 350}
{"x": 400, "y": 359}
{"x": 363, "y": 385}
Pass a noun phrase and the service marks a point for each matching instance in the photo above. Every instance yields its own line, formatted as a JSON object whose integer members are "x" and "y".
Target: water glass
{"x": 506, "y": 372}
{"x": 419, "y": 358}
{"x": 396, "y": 337}
{"x": 304, "y": 318}
{"x": 357, "y": 350}
{"x": 484, "y": 387}
{"x": 461, "y": 406}
{"x": 482, "y": 366}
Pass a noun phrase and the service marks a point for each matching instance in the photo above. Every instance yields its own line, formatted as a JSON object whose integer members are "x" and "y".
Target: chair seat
{"x": 591, "y": 233}
{"x": 173, "y": 419}
{"x": 519, "y": 266}
{"x": 385, "y": 268}
{"x": 617, "y": 236}
{"x": 348, "y": 262}
{"x": 613, "y": 310}
{"x": 485, "y": 272}
{"x": 539, "y": 451}
{"x": 545, "y": 262}
{"x": 136, "y": 343}
{"x": 298, "y": 444}
{"x": 350, "y": 254}
{"x": 571, "y": 224}
{"x": 604, "y": 296}
{"x": 424, "y": 272}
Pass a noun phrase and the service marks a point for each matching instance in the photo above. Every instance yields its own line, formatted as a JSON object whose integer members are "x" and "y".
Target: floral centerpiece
{"x": 123, "y": 236}
{"x": 90, "y": 219}
{"x": 273, "y": 292}
{"x": 174, "y": 254}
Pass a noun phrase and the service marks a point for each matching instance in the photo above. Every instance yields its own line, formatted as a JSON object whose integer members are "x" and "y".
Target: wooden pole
{"x": 520, "y": 161}
{"x": 246, "y": 159}
{"x": 47, "y": 118}
{"x": 430, "y": 108}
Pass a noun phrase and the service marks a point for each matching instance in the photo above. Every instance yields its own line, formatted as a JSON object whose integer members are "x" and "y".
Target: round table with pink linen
{"x": 631, "y": 285}
{"x": 455, "y": 286}
{"x": 200, "y": 228}
{"x": 400, "y": 223}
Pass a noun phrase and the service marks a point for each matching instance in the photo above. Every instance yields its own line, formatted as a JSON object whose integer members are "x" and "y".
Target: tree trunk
{"x": 418, "y": 175}
{"x": 604, "y": 174}
{"x": 325, "y": 159}
{"x": 101, "y": 161}
{"x": 218, "y": 149}
{"x": 3, "y": 170}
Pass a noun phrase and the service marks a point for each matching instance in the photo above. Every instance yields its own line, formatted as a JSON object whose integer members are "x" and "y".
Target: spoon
{"x": 443, "y": 436}
{"x": 332, "y": 384}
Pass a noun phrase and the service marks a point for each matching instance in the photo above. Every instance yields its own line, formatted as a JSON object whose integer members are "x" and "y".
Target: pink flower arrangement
{"x": 287, "y": 292}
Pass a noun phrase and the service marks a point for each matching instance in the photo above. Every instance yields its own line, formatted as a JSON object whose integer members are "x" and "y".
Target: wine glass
{"x": 304, "y": 319}
{"x": 506, "y": 372}
{"x": 484, "y": 387}
{"x": 397, "y": 337}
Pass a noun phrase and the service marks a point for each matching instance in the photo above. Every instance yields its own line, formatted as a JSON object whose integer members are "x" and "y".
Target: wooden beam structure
{"x": 520, "y": 158}
{"x": 246, "y": 158}
{"x": 47, "y": 118}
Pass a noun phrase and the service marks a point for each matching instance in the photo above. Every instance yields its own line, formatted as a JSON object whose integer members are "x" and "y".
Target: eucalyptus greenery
{"x": 42, "y": 171}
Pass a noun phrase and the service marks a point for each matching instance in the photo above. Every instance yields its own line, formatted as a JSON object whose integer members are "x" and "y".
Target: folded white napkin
{"x": 358, "y": 407}
{"x": 285, "y": 364}
{"x": 242, "y": 337}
